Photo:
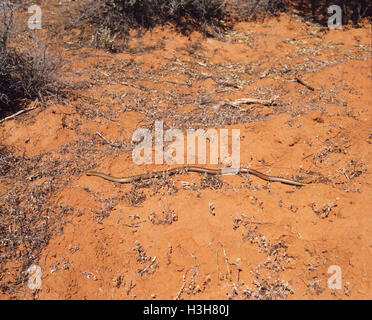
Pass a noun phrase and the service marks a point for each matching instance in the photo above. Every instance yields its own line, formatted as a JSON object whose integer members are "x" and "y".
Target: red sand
{"x": 201, "y": 255}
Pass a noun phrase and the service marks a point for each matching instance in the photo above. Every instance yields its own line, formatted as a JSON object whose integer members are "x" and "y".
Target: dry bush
{"x": 352, "y": 10}
{"x": 119, "y": 16}
{"x": 252, "y": 10}
{"x": 25, "y": 74}
{"x": 28, "y": 74}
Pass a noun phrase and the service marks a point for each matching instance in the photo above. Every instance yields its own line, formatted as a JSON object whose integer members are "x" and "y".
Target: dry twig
{"x": 20, "y": 112}
{"x": 300, "y": 81}
{"x": 237, "y": 103}
{"x": 141, "y": 272}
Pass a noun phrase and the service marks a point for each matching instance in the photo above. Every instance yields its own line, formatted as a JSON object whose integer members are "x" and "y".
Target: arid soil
{"x": 189, "y": 236}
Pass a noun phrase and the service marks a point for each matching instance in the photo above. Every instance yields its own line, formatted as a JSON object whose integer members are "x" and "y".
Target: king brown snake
{"x": 180, "y": 170}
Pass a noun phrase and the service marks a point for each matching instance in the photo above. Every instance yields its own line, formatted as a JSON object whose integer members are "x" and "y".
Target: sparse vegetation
{"x": 180, "y": 226}
{"x": 251, "y": 10}
{"x": 352, "y": 11}
{"x": 25, "y": 74}
{"x": 113, "y": 17}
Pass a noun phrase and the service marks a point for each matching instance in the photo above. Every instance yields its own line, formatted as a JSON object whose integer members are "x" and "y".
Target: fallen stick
{"x": 141, "y": 272}
{"x": 107, "y": 141}
{"x": 237, "y": 103}
{"x": 137, "y": 86}
{"x": 254, "y": 222}
{"x": 226, "y": 259}
{"x": 300, "y": 81}
{"x": 20, "y": 112}
{"x": 177, "y": 297}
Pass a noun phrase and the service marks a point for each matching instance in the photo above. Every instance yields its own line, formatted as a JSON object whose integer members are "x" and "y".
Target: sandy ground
{"x": 189, "y": 237}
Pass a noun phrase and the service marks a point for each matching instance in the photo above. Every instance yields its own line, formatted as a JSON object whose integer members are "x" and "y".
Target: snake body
{"x": 180, "y": 170}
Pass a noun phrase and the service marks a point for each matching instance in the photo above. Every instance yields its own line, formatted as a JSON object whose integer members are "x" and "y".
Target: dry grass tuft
{"x": 25, "y": 74}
